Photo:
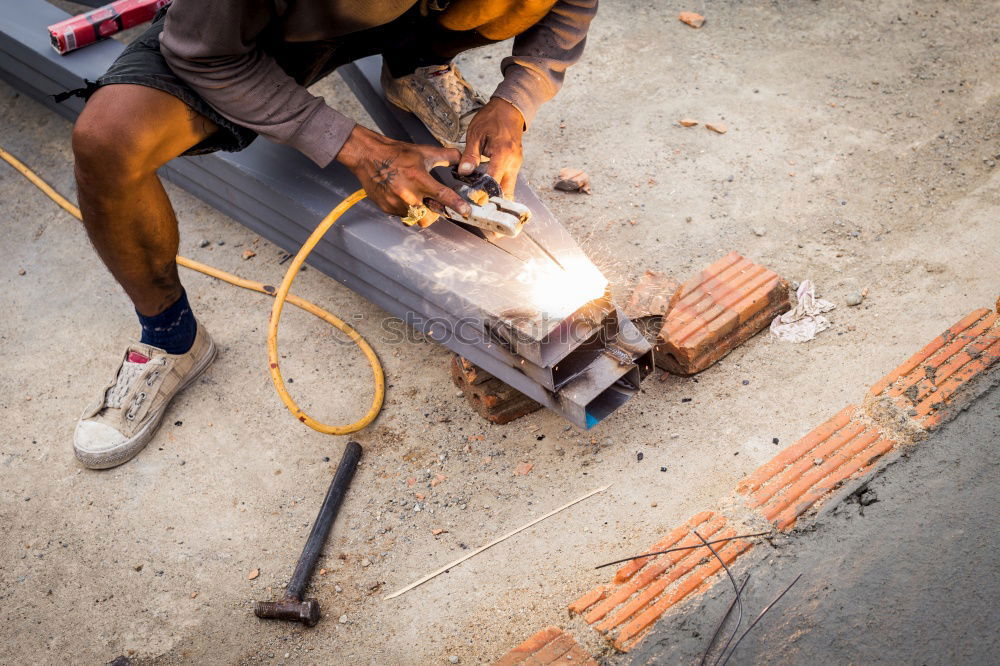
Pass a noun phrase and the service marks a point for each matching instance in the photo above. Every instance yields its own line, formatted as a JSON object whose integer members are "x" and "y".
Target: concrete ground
{"x": 908, "y": 575}
{"x": 860, "y": 153}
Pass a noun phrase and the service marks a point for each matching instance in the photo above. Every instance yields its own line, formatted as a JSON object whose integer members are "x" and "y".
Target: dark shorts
{"x": 408, "y": 42}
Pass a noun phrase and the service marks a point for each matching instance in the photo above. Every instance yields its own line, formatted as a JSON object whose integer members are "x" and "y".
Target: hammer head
{"x": 305, "y": 611}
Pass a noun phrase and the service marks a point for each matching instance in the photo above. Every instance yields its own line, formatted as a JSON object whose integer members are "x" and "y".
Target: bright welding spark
{"x": 559, "y": 292}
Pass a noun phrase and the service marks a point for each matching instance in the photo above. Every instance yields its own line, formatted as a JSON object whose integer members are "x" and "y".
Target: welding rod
{"x": 292, "y": 606}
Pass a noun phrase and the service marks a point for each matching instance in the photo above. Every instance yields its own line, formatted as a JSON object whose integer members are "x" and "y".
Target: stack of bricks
{"x": 491, "y": 398}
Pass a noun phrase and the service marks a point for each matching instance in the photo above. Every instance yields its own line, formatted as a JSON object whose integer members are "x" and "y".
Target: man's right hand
{"x": 396, "y": 174}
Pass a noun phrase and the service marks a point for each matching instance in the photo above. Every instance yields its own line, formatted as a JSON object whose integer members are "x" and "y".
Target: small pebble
{"x": 453, "y": 659}
{"x": 639, "y": 456}
{"x": 746, "y": 382}
{"x": 854, "y": 299}
{"x": 204, "y": 243}
{"x": 774, "y": 440}
{"x": 663, "y": 469}
{"x": 817, "y": 461}
{"x": 337, "y": 588}
{"x": 675, "y": 436}
{"x": 686, "y": 399}
{"x": 22, "y": 272}
{"x": 178, "y": 423}
{"x": 343, "y": 619}
{"x": 366, "y": 562}
{"x": 758, "y": 231}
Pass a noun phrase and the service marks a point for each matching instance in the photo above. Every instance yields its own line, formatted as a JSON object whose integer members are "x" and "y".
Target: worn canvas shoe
{"x": 128, "y": 411}
{"x": 443, "y": 100}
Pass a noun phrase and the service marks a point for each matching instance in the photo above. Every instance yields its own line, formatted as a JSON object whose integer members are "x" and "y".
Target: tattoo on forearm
{"x": 385, "y": 172}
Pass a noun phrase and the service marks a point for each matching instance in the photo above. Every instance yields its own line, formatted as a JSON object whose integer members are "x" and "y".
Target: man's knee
{"x": 105, "y": 147}
{"x": 127, "y": 132}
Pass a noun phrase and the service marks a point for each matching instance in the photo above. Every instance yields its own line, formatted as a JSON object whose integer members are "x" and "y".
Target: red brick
{"x": 464, "y": 372}
{"x": 491, "y": 398}
{"x": 718, "y": 310}
{"x": 953, "y": 384}
{"x": 928, "y": 349}
{"x": 943, "y": 377}
{"x": 861, "y": 462}
{"x": 795, "y": 470}
{"x": 684, "y": 565}
{"x": 692, "y": 19}
{"x": 942, "y": 355}
{"x": 576, "y": 655}
{"x": 691, "y": 583}
{"x": 651, "y": 296}
{"x": 649, "y": 573}
{"x": 519, "y": 654}
{"x": 814, "y": 474}
{"x": 551, "y": 645}
{"x": 562, "y": 644}
{"x": 588, "y": 599}
{"x": 629, "y": 568}
{"x": 795, "y": 451}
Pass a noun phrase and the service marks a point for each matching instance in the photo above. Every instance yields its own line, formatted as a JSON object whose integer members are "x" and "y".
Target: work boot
{"x": 443, "y": 100}
{"x": 127, "y": 413}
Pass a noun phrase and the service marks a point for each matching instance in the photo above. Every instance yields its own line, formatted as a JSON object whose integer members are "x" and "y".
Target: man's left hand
{"x": 495, "y": 132}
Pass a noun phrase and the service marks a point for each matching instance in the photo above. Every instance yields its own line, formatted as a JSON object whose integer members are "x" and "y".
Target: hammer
{"x": 292, "y": 606}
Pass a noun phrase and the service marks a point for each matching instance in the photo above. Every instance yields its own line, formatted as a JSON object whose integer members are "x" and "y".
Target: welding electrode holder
{"x": 292, "y": 606}
{"x": 488, "y": 209}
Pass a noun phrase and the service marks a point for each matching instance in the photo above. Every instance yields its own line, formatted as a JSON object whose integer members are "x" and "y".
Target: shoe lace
{"x": 456, "y": 75}
{"x": 127, "y": 375}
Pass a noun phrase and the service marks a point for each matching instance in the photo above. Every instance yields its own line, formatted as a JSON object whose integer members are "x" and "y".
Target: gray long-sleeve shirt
{"x": 212, "y": 45}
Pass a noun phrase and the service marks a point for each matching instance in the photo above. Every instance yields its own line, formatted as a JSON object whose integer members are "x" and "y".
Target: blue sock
{"x": 172, "y": 330}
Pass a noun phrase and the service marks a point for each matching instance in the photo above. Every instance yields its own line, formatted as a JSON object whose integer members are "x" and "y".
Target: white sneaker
{"x": 129, "y": 409}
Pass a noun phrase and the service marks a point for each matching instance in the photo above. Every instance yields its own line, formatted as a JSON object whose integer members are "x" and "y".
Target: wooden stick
{"x": 491, "y": 544}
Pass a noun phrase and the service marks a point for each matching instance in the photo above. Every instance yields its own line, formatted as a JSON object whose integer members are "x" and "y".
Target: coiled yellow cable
{"x": 281, "y": 295}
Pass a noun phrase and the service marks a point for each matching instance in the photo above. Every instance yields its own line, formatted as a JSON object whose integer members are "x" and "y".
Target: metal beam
{"x": 473, "y": 294}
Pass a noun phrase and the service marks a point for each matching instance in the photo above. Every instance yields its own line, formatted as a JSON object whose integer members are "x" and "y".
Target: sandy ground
{"x": 862, "y": 144}
{"x": 908, "y": 575}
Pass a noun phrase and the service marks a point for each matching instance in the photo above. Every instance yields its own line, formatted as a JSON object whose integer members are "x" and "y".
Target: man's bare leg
{"x": 125, "y": 133}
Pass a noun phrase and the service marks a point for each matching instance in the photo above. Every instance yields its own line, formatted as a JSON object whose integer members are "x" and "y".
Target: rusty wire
{"x": 736, "y": 589}
{"x": 757, "y": 619}
{"x": 722, "y": 622}
{"x": 672, "y": 550}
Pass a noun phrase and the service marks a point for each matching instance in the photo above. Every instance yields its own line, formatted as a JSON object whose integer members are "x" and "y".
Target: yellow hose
{"x": 280, "y": 297}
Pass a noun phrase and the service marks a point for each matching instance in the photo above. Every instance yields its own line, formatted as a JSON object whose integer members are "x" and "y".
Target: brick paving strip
{"x": 920, "y": 395}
